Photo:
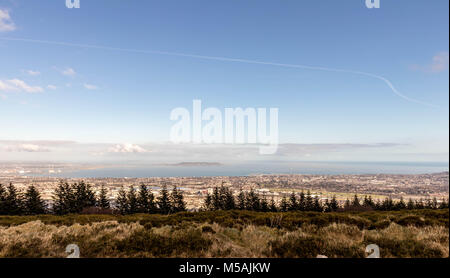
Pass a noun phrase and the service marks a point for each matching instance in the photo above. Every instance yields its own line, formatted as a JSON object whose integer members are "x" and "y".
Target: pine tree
{"x": 309, "y": 204}
{"x": 103, "y": 201}
{"x": 122, "y": 202}
{"x": 368, "y": 202}
{"x": 207, "y": 203}
{"x": 435, "y": 204}
{"x": 264, "y": 204}
{"x": 63, "y": 199}
{"x": 90, "y": 196}
{"x": 401, "y": 204}
{"x": 334, "y": 206}
{"x": 84, "y": 196}
{"x": 387, "y": 204}
{"x": 444, "y": 204}
{"x": 419, "y": 204}
{"x": 410, "y": 204}
{"x": 13, "y": 201}
{"x": 229, "y": 202}
{"x": 378, "y": 205}
{"x": 216, "y": 200}
{"x": 132, "y": 201}
{"x": 33, "y": 203}
{"x": 371, "y": 202}
{"x": 163, "y": 201}
{"x": 347, "y": 205}
{"x": 365, "y": 201}
{"x": 302, "y": 202}
{"x": 317, "y": 206}
{"x": 223, "y": 197}
{"x": 2, "y": 200}
{"x": 327, "y": 206}
{"x": 177, "y": 200}
{"x": 284, "y": 205}
{"x": 151, "y": 203}
{"x": 293, "y": 205}
{"x": 273, "y": 205}
{"x": 241, "y": 200}
{"x": 253, "y": 202}
{"x": 143, "y": 204}
{"x": 355, "y": 202}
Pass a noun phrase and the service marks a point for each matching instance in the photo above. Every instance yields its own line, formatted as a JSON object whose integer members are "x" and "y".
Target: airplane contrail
{"x": 225, "y": 59}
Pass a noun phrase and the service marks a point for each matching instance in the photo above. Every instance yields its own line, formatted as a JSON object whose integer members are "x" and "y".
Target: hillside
{"x": 418, "y": 233}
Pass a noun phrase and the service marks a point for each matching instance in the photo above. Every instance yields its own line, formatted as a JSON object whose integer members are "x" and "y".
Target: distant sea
{"x": 272, "y": 167}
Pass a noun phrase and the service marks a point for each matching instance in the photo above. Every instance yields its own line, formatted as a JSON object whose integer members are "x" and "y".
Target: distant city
{"x": 276, "y": 186}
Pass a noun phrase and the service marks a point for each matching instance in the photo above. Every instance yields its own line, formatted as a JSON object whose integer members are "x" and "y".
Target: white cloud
{"x": 90, "y": 86}
{"x": 127, "y": 148}
{"x": 219, "y": 152}
{"x": 21, "y": 85}
{"x": 439, "y": 63}
{"x": 33, "y": 73}
{"x": 17, "y": 85}
{"x": 69, "y": 72}
{"x": 52, "y": 143}
{"x": 33, "y": 146}
{"x": 6, "y": 23}
{"x": 26, "y": 148}
{"x": 52, "y": 87}
{"x": 6, "y": 87}
{"x": 224, "y": 152}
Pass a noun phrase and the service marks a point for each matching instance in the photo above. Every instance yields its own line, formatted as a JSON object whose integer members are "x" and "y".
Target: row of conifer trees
{"x": 222, "y": 199}
{"x": 80, "y": 198}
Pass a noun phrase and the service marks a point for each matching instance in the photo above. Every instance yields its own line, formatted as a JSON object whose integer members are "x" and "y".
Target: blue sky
{"x": 63, "y": 101}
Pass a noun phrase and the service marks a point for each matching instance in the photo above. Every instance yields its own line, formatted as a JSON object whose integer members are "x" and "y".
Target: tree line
{"x": 80, "y": 198}
{"x": 222, "y": 199}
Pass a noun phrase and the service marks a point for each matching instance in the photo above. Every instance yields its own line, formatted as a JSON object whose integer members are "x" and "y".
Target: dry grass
{"x": 115, "y": 239}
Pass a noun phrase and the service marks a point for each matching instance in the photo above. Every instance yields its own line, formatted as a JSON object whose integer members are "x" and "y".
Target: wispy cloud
{"x": 33, "y": 145}
{"x": 69, "y": 72}
{"x": 6, "y": 23}
{"x": 224, "y": 152}
{"x": 127, "y": 148}
{"x": 33, "y": 73}
{"x": 44, "y": 143}
{"x": 52, "y": 87}
{"x": 90, "y": 86}
{"x": 26, "y": 148}
{"x": 5, "y": 86}
{"x": 174, "y": 153}
{"x": 439, "y": 63}
{"x": 234, "y": 60}
{"x": 17, "y": 85}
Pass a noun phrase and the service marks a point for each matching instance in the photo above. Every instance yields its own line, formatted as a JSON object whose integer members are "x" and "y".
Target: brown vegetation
{"x": 229, "y": 234}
